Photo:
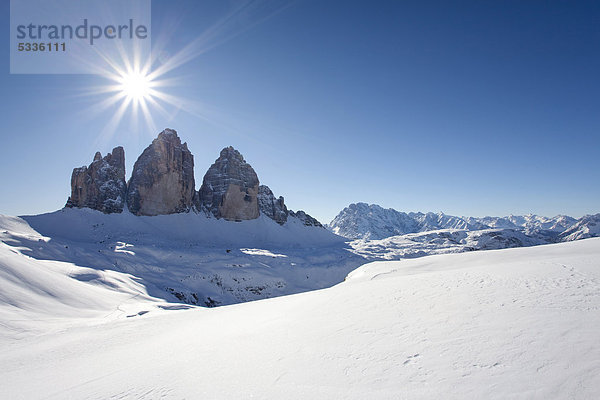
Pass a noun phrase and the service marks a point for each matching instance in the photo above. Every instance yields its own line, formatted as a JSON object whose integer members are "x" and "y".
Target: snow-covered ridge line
{"x": 370, "y": 221}
{"x": 184, "y": 257}
{"x": 189, "y": 258}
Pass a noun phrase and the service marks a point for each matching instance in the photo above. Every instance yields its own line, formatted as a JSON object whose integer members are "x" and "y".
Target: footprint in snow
{"x": 410, "y": 358}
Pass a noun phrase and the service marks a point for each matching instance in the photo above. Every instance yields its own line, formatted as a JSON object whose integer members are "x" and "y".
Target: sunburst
{"x": 139, "y": 87}
{"x": 135, "y": 86}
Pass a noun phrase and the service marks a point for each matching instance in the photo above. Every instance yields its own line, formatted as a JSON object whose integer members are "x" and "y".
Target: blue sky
{"x": 470, "y": 108}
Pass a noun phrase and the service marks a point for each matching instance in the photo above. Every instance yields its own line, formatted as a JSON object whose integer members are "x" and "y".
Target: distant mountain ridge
{"x": 586, "y": 227}
{"x": 373, "y": 222}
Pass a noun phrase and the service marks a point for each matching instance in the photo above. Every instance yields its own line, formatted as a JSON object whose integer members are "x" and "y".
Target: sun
{"x": 141, "y": 86}
{"x": 135, "y": 86}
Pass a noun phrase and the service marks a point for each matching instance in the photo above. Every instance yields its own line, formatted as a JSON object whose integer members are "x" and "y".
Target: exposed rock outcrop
{"x": 230, "y": 188}
{"x": 162, "y": 181}
{"x": 270, "y": 206}
{"x": 100, "y": 186}
{"x": 305, "y": 218}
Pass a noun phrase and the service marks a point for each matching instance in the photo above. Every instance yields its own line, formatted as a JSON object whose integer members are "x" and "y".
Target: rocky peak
{"x": 231, "y": 153}
{"x": 230, "y": 188}
{"x": 305, "y": 218}
{"x": 100, "y": 186}
{"x": 270, "y": 206}
{"x": 162, "y": 181}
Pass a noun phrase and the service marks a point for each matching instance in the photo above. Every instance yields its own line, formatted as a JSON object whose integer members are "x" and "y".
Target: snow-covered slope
{"x": 370, "y": 221}
{"x": 442, "y": 241}
{"x": 182, "y": 257}
{"x": 518, "y": 323}
{"x": 89, "y": 225}
{"x": 45, "y": 295}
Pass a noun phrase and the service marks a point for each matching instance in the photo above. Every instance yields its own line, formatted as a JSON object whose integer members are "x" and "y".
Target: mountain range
{"x": 162, "y": 182}
{"x": 373, "y": 222}
{"x": 118, "y": 294}
{"x": 232, "y": 240}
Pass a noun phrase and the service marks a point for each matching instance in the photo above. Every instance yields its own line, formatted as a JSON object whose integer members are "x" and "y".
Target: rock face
{"x": 230, "y": 188}
{"x": 270, "y": 206}
{"x": 101, "y": 186}
{"x": 305, "y": 218}
{"x": 162, "y": 181}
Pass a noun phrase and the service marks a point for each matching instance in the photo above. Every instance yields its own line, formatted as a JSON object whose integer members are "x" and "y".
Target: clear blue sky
{"x": 470, "y": 108}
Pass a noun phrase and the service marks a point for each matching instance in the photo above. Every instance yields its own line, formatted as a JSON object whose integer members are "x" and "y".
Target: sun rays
{"x": 140, "y": 88}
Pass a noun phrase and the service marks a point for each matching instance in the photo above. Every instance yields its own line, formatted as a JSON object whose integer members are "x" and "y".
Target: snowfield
{"x": 181, "y": 257}
{"x": 517, "y": 323}
{"x": 442, "y": 241}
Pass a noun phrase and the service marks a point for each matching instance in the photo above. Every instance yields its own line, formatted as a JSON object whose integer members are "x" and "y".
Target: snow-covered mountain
{"x": 200, "y": 260}
{"x": 370, "y": 221}
{"x": 185, "y": 257}
{"x": 115, "y": 295}
{"x": 586, "y": 227}
{"x": 517, "y": 323}
{"x": 529, "y": 223}
{"x": 231, "y": 241}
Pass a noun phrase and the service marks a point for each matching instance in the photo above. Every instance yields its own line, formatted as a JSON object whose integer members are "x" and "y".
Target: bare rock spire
{"x": 271, "y": 206}
{"x": 230, "y": 188}
{"x": 100, "y": 186}
{"x": 162, "y": 181}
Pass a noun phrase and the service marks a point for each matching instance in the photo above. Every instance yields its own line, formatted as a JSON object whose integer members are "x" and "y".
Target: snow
{"x": 586, "y": 227}
{"x": 261, "y": 252}
{"x": 41, "y": 295}
{"x": 517, "y": 323}
{"x": 186, "y": 257}
{"x": 442, "y": 241}
{"x": 85, "y": 224}
{"x": 370, "y": 221}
